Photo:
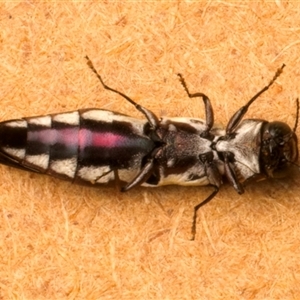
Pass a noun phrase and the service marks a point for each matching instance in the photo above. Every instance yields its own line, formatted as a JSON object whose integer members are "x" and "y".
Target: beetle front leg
{"x": 231, "y": 175}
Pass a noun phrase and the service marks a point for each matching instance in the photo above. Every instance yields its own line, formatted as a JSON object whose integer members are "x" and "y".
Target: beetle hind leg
{"x": 197, "y": 207}
{"x": 141, "y": 177}
{"x": 151, "y": 117}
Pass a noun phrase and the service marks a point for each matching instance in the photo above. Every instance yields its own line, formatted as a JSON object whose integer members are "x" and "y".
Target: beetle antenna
{"x": 297, "y": 115}
{"x": 294, "y": 164}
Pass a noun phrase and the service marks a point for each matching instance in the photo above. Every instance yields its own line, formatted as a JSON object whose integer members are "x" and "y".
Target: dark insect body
{"x": 98, "y": 146}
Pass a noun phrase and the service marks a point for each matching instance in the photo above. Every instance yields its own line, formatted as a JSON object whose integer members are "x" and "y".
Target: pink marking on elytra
{"x": 104, "y": 140}
{"x": 46, "y": 136}
{"x": 107, "y": 140}
{"x": 72, "y": 137}
{"x": 67, "y": 136}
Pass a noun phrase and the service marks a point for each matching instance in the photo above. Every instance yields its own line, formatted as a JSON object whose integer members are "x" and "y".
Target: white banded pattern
{"x": 65, "y": 167}
{"x": 42, "y": 121}
{"x": 41, "y": 160}
{"x": 109, "y": 117}
{"x": 17, "y": 153}
{"x": 16, "y": 124}
{"x": 71, "y": 118}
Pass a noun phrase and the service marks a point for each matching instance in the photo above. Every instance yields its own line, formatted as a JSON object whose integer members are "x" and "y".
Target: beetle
{"x": 96, "y": 146}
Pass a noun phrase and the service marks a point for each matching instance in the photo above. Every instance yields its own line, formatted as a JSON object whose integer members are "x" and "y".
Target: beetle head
{"x": 279, "y": 149}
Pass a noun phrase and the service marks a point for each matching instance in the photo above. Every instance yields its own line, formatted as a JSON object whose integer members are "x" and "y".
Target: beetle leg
{"x": 117, "y": 180}
{"x": 141, "y": 177}
{"x": 231, "y": 176}
{"x": 198, "y": 206}
{"x": 209, "y": 114}
{"x": 151, "y": 117}
{"x": 215, "y": 180}
{"x": 106, "y": 173}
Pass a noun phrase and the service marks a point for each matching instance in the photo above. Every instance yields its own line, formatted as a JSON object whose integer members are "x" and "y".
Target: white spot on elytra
{"x": 109, "y": 117}
{"x": 17, "y": 153}
{"x": 64, "y": 166}
{"x": 17, "y": 123}
{"x": 41, "y": 160}
{"x": 99, "y": 115}
{"x": 71, "y": 118}
{"x": 43, "y": 121}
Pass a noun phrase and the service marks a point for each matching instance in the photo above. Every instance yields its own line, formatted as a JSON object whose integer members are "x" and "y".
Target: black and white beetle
{"x": 98, "y": 146}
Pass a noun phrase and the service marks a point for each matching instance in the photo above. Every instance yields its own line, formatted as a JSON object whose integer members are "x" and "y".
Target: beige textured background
{"x": 60, "y": 241}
